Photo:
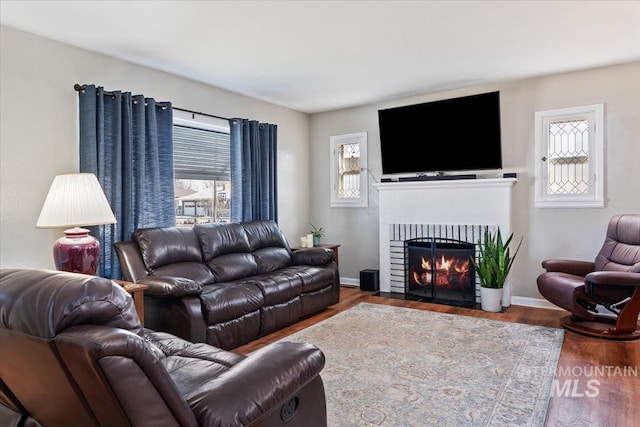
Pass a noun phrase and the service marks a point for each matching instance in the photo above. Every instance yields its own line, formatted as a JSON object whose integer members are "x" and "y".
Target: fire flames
{"x": 448, "y": 272}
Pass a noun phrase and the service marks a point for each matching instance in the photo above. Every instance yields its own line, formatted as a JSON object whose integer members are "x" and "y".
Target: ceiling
{"x": 316, "y": 56}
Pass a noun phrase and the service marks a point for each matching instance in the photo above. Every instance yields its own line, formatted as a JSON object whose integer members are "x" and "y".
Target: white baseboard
{"x": 348, "y": 281}
{"x": 534, "y": 302}
{"x": 524, "y": 301}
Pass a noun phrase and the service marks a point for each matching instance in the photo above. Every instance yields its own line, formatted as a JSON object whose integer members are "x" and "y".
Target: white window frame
{"x": 343, "y": 202}
{"x": 594, "y": 198}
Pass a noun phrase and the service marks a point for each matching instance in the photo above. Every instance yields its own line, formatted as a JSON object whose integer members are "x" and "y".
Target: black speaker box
{"x": 369, "y": 280}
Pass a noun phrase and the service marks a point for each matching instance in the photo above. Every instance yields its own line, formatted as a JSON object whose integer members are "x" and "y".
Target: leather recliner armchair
{"x": 611, "y": 282}
{"x": 74, "y": 353}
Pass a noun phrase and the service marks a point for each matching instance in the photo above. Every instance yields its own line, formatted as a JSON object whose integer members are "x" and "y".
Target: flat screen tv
{"x": 458, "y": 134}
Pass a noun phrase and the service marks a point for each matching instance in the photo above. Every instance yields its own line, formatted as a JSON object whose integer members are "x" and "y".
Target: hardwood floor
{"x": 598, "y": 381}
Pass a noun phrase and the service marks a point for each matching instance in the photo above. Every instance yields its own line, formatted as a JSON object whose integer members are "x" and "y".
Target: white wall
{"x": 39, "y": 133}
{"x": 39, "y": 139}
{"x": 548, "y": 233}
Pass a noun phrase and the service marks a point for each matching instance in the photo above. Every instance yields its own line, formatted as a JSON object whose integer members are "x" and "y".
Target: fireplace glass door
{"x": 440, "y": 271}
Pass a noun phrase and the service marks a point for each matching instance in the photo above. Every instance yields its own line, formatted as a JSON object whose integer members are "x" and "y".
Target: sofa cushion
{"x": 563, "y": 290}
{"x": 188, "y": 364}
{"x": 229, "y": 267}
{"x": 268, "y": 245}
{"x": 219, "y": 239}
{"x": 271, "y": 259}
{"x": 262, "y": 234}
{"x": 227, "y": 301}
{"x": 226, "y": 251}
{"x": 194, "y": 271}
{"x": 314, "y": 278}
{"x": 170, "y": 245}
{"x": 280, "y": 286}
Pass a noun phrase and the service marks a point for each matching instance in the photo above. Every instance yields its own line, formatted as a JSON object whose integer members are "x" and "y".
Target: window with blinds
{"x": 200, "y": 153}
{"x": 201, "y": 161}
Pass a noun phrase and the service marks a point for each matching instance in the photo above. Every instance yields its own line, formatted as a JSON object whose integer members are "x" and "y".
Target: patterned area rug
{"x": 392, "y": 366}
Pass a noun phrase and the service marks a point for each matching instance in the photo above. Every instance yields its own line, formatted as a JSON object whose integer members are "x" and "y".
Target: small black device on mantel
{"x": 450, "y": 135}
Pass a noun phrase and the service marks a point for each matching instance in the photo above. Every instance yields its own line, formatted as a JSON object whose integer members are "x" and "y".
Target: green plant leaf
{"x": 494, "y": 259}
{"x": 316, "y": 231}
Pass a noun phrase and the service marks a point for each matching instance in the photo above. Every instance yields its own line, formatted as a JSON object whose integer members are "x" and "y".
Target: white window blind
{"x": 201, "y": 148}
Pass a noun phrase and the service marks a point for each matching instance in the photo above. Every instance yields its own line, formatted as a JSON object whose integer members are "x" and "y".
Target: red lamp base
{"x": 77, "y": 252}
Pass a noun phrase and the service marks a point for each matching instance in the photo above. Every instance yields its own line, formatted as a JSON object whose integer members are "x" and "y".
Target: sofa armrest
{"x": 616, "y": 278}
{"x": 578, "y": 268}
{"x": 258, "y": 385}
{"x": 109, "y": 364}
{"x": 131, "y": 263}
{"x": 165, "y": 286}
{"x": 312, "y": 256}
{"x": 171, "y": 345}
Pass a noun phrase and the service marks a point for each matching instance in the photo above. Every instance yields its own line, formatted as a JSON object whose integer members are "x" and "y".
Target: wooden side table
{"x": 137, "y": 292}
{"x": 323, "y": 245}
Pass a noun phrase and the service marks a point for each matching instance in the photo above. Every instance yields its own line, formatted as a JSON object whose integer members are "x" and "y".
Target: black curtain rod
{"x": 202, "y": 114}
{"x": 79, "y": 88}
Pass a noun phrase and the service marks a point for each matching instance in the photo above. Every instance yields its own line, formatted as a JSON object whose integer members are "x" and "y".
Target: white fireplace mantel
{"x": 465, "y": 202}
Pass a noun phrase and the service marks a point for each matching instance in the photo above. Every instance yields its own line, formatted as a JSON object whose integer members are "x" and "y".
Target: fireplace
{"x": 440, "y": 270}
{"x": 456, "y": 209}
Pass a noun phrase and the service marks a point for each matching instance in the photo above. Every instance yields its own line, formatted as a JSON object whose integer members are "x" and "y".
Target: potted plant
{"x": 493, "y": 265}
{"x": 317, "y": 232}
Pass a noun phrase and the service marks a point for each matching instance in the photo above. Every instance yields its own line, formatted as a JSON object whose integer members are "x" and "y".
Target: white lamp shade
{"x": 75, "y": 200}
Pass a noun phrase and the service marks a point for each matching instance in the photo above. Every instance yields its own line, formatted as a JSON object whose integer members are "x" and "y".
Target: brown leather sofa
{"x": 227, "y": 284}
{"x": 74, "y": 353}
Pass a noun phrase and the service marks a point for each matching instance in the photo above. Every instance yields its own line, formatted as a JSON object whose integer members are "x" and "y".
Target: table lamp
{"x": 76, "y": 200}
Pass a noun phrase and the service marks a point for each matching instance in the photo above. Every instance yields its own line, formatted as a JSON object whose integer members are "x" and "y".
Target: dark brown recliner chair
{"x": 612, "y": 282}
{"x": 73, "y": 353}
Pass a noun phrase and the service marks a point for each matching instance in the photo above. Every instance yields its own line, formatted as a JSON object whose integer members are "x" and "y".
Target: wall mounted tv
{"x": 459, "y": 134}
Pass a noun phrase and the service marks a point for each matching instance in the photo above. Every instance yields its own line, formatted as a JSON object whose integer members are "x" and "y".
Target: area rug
{"x": 393, "y": 366}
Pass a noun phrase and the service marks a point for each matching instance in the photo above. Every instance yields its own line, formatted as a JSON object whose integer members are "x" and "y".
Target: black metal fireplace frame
{"x": 468, "y": 296}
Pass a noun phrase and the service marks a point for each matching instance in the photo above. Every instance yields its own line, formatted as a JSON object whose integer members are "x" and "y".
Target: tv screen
{"x": 459, "y": 134}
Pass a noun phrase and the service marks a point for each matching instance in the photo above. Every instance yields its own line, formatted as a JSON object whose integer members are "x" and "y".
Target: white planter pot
{"x": 491, "y": 299}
